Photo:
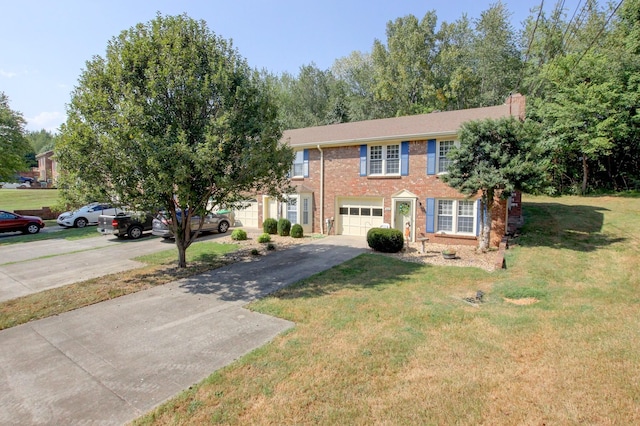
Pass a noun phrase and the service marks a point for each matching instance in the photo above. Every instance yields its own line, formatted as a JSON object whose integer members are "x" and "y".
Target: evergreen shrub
{"x": 270, "y": 226}
{"x": 385, "y": 240}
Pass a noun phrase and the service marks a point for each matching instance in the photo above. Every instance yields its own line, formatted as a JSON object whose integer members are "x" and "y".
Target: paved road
{"x": 111, "y": 362}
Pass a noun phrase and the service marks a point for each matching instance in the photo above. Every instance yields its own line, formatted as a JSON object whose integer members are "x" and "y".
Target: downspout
{"x": 321, "y": 189}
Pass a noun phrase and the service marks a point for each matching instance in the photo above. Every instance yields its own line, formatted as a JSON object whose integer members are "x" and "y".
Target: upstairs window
{"x": 300, "y": 167}
{"x": 443, "y": 149}
{"x": 384, "y": 160}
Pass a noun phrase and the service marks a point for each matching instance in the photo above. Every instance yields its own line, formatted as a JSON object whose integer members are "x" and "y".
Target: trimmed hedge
{"x": 385, "y": 240}
{"x": 284, "y": 227}
{"x": 270, "y": 226}
{"x": 296, "y": 231}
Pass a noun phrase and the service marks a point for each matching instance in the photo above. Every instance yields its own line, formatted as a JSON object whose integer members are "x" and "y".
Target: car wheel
{"x": 32, "y": 228}
{"x": 135, "y": 232}
{"x": 223, "y": 227}
{"x": 80, "y": 222}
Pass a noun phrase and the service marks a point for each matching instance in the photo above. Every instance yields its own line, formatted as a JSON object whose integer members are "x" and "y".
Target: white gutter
{"x": 321, "y": 189}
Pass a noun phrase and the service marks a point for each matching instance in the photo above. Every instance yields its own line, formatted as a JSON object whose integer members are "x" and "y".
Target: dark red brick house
{"x": 351, "y": 177}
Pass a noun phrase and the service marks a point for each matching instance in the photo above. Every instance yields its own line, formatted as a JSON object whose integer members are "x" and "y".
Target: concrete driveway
{"x": 112, "y": 362}
{"x": 27, "y": 268}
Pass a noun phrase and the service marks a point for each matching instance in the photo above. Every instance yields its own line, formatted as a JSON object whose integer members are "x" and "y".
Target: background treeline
{"x": 579, "y": 68}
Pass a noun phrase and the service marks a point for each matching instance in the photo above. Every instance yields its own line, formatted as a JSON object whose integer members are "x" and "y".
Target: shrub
{"x": 264, "y": 238}
{"x": 296, "y": 231}
{"x": 271, "y": 247}
{"x": 385, "y": 240}
{"x": 255, "y": 252}
{"x": 284, "y": 227}
{"x": 270, "y": 226}
{"x": 239, "y": 235}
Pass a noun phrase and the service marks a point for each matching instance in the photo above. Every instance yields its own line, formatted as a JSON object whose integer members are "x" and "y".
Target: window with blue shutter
{"x": 404, "y": 158}
{"x": 431, "y": 157}
{"x": 363, "y": 160}
{"x": 305, "y": 162}
{"x": 431, "y": 207}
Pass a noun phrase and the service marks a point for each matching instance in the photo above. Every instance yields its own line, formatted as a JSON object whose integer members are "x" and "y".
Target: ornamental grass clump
{"x": 385, "y": 240}
{"x": 264, "y": 238}
{"x": 239, "y": 235}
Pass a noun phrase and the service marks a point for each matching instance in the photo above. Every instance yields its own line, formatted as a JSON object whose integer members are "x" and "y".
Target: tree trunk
{"x": 486, "y": 218}
{"x": 585, "y": 174}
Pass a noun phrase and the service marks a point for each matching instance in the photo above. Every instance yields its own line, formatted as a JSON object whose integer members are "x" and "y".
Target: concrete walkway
{"x": 112, "y": 362}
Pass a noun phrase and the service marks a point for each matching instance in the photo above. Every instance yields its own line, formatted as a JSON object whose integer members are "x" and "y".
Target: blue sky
{"x": 44, "y": 44}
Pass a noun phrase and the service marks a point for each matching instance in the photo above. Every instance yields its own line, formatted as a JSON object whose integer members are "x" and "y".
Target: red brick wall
{"x": 342, "y": 179}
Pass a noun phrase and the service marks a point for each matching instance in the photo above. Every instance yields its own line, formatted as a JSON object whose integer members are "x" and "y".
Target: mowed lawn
{"x": 556, "y": 339}
{"x": 27, "y": 199}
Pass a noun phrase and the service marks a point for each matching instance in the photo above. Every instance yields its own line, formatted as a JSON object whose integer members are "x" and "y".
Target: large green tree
{"x": 14, "y": 147}
{"x": 495, "y": 158}
{"x": 173, "y": 118}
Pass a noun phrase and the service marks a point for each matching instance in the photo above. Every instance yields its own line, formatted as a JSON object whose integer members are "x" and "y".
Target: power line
{"x": 597, "y": 35}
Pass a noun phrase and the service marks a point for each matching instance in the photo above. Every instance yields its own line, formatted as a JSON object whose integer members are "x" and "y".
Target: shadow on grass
{"x": 254, "y": 277}
{"x": 564, "y": 226}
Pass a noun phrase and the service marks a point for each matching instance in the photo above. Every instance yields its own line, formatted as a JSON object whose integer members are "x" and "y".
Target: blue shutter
{"x": 431, "y": 207}
{"x": 363, "y": 160}
{"x": 404, "y": 158}
{"x": 479, "y": 217}
{"x": 305, "y": 162}
{"x": 431, "y": 157}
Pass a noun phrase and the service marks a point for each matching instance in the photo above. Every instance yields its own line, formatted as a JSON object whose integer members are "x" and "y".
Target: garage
{"x": 357, "y": 215}
{"x": 248, "y": 216}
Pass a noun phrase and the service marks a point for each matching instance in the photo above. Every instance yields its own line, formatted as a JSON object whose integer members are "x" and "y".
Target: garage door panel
{"x": 357, "y": 216}
{"x": 247, "y": 217}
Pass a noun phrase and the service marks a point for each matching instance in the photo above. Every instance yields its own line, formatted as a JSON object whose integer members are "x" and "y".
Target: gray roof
{"x": 414, "y": 127}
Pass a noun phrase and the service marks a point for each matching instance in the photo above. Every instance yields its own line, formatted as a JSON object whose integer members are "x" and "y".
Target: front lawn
{"x": 555, "y": 339}
{"x": 27, "y": 199}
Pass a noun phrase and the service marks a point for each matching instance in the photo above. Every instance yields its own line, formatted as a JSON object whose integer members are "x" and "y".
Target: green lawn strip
{"x": 27, "y": 199}
{"x": 161, "y": 269}
{"x": 70, "y": 234}
{"x": 381, "y": 341}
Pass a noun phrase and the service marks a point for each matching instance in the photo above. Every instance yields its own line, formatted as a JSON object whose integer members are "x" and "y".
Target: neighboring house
{"x": 352, "y": 177}
{"x": 47, "y": 167}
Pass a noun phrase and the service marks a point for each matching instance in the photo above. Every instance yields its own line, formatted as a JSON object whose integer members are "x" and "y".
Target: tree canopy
{"x": 14, "y": 147}
{"x": 495, "y": 158}
{"x": 171, "y": 118}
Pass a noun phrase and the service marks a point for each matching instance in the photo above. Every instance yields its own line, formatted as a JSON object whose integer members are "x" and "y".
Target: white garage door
{"x": 357, "y": 215}
{"x": 247, "y": 217}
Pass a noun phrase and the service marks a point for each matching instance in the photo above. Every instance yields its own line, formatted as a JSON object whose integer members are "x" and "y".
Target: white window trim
{"x": 474, "y": 216}
{"x": 384, "y": 160}
{"x": 456, "y": 144}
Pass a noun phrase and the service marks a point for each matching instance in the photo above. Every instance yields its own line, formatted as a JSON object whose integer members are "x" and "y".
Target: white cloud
{"x": 49, "y": 121}
{"x": 7, "y": 74}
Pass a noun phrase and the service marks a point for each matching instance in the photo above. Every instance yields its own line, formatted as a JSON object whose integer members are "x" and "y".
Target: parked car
{"x": 86, "y": 215}
{"x": 131, "y": 224}
{"x": 213, "y": 222}
{"x": 12, "y": 222}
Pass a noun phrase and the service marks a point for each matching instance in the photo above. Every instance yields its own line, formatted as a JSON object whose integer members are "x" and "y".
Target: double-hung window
{"x": 455, "y": 216}
{"x": 297, "y": 169}
{"x": 384, "y": 160}
{"x": 443, "y": 149}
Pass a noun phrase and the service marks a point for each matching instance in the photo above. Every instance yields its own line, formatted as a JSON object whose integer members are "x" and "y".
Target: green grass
{"x": 67, "y": 234}
{"x": 204, "y": 251}
{"x": 381, "y": 341}
{"x": 27, "y": 199}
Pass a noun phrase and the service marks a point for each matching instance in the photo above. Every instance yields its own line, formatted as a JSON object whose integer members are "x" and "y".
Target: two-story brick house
{"x": 351, "y": 177}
